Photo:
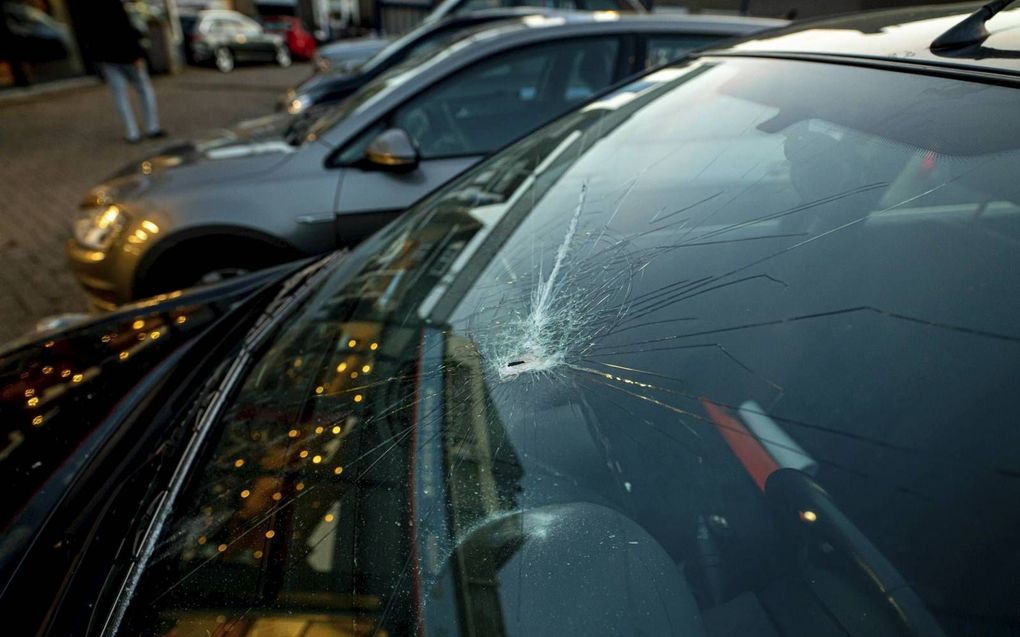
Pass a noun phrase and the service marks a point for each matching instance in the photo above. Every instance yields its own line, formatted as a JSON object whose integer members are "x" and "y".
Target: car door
{"x": 467, "y": 116}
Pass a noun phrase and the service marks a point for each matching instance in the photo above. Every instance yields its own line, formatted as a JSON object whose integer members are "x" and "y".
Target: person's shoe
{"x": 160, "y": 134}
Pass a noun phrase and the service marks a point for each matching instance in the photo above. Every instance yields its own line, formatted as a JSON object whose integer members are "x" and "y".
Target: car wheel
{"x": 224, "y": 59}
{"x": 283, "y": 57}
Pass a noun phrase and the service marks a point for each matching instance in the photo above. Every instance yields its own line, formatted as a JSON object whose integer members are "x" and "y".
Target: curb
{"x": 42, "y": 90}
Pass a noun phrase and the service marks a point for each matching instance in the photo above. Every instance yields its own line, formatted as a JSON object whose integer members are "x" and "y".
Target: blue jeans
{"x": 118, "y": 76}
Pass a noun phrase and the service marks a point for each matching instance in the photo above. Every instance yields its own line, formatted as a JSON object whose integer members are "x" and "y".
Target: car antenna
{"x": 970, "y": 30}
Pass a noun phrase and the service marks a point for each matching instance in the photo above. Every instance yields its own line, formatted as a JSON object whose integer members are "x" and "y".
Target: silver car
{"x": 278, "y": 188}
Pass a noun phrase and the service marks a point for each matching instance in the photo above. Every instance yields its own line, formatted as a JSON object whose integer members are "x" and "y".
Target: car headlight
{"x": 298, "y": 104}
{"x": 99, "y": 228}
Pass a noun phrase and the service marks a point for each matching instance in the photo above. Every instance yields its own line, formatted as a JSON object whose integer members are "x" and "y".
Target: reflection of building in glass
{"x": 483, "y": 475}
{"x": 298, "y": 521}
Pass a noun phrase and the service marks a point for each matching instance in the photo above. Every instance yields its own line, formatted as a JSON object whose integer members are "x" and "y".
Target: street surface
{"x": 54, "y": 147}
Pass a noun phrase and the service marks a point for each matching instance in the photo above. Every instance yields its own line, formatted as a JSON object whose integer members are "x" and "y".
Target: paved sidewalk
{"x": 54, "y": 147}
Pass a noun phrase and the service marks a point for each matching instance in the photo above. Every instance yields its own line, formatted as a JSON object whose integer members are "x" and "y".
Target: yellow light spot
{"x": 354, "y": 374}
{"x": 328, "y": 517}
{"x": 373, "y": 346}
{"x": 257, "y": 555}
{"x": 319, "y": 430}
{"x": 352, "y": 343}
{"x": 336, "y": 430}
{"x": 29, "y": 392}
{"x": 338, "y": 470}
{"x": 77, "y": 378}
{"x": 141, "y": 235}
{"x": 202, "y": 539}
{"x": 298, "y": 362}
{"x": 245, "y": 493}
{"x": 293, "y": 433}
{"x": 106, "y": 338}
{"x": 155, "y": 334}
{"x": 300, "y": 486}
{"x": 138, "y": 324}
{"x": 808, "y": 516}
{"x": 32, "y": 402}
{"x": 239, "y": 463}
{"x": 358, "y": 398}
{"x": 151, "y": 227}
{"x": 320, "y": 389}
{"x": 317, "y": 459}
{"x": 221, "y": 548}
{"x": 304, "y": 453}
{"x": 277, "y": 496}
{"x": 38, "y": 420}
{"x": 123, "y": 356}
{"x": 141, "y": 337}
{"x": 65, "y": 373}
{"x": 366, "y": 368}
{"x": 341, "y": 367}
{"x": 48, "y": 344}
{"x": 47, "y": 370}
{"x": 146, "y": 167}
{"x": 270, "y": 534}
{"x": 181, "y": 320}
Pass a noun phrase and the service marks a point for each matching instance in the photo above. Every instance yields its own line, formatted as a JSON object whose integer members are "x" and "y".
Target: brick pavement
{"x": 54, "y": 147}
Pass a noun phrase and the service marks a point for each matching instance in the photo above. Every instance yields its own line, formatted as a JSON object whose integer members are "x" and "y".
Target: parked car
{"x": 300, "y": 42}
{"x": 329, "y": 86}
{"x": 731, "y": 350}
{"x": 226, "y": 38}
{"x": 281, "y": 187}
{"x": 347, "y": 56}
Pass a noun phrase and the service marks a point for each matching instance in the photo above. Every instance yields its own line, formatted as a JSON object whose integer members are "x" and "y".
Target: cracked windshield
{"x": 721, "y": 353}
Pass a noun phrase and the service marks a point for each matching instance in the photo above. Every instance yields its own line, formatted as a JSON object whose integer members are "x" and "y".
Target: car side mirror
{"x": 393, "y": 150}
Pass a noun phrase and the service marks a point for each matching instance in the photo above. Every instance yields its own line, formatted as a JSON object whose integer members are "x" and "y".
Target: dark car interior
{"x": 492, "y": 103}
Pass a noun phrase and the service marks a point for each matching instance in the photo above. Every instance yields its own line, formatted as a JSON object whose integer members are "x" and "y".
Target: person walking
{"x": 115, "y": 45}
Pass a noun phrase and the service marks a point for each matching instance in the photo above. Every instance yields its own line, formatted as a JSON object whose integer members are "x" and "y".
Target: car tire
{"x": 283, "y": 57}
{"x": 224, "y": 59}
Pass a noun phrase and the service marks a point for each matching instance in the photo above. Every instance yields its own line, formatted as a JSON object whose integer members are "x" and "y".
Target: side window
{"x": 249, "y": 27}
{"x": 484, "y": 107}
{"x": 661, "y": 49}
{"x": 223, "y": 26}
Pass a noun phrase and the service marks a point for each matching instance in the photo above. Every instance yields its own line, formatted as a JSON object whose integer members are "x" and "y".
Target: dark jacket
{"x": 108, "y": 35}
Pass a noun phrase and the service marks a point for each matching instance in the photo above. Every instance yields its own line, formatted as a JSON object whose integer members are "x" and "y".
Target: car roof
{"x": 571, "y": 22}
{"x": 897, "y": 35}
